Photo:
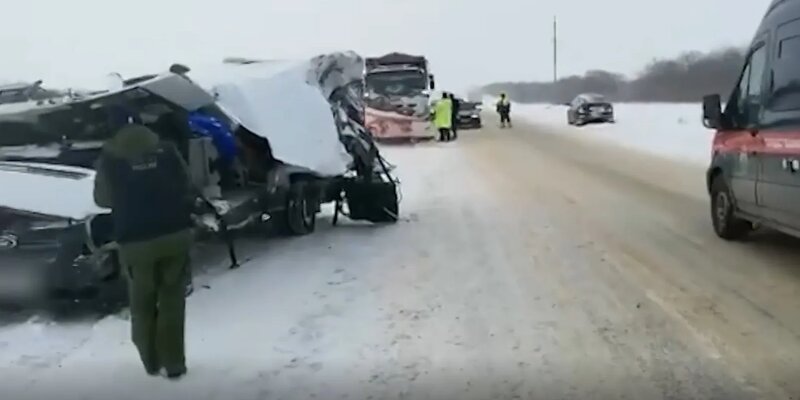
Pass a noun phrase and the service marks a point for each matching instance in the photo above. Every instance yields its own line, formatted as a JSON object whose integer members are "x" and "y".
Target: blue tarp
{"x": 221, "y": 135}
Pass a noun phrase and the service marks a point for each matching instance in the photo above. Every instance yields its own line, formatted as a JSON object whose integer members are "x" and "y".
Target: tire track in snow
{"x": 591, "y": 195}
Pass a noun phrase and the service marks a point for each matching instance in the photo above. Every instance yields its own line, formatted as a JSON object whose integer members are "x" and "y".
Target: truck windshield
{"x": 396, "y": 83}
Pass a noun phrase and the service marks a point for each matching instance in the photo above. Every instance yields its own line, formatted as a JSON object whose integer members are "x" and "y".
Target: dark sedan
{"x": 44, "y": 226}
{"x": 589, "y": 108}
{"x": 469, "y": 115}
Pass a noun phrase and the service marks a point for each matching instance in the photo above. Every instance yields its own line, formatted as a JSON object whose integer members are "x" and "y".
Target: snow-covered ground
{"x": 670, "y": 130}
{"x": 525, "y": 265}
{"x": 336, "y": 305}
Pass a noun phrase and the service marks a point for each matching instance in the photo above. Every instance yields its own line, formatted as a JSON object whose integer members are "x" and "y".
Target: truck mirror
{"x": 179, "y": 69}
{"x": 433, "y": 82}
{"x": 712, "y": 111}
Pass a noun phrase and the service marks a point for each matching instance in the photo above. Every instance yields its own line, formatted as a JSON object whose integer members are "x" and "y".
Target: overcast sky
{"x": 78, "y": 42}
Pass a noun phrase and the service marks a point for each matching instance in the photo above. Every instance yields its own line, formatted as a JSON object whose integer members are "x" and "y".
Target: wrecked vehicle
{"x": 266, "y": 142}
{"x": 398, "y": 97}
{"x": 43, "y": 247}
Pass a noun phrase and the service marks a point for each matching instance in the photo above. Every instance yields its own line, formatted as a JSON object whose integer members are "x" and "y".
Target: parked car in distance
{"x": 754, "y": 175}
{"x": 589, "y": 107}
{"x": 469, "y": 115}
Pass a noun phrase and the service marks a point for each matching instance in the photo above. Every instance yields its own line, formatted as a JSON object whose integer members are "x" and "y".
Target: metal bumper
{"x": 596, "y": 117}
{"x": 24, "y": 275}
{"x": 59, "y": 270}
{"x": 468, "y": 122}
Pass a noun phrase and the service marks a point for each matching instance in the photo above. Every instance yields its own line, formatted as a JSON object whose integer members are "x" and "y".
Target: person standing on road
{"x": 145, "y": 183}
{"x": 454, "y": 118}
{"x": 504, "y": 109}
{"x": 443, "y": 117}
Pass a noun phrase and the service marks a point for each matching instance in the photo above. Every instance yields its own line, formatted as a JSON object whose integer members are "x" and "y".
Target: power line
{"x": 555, "y": 49}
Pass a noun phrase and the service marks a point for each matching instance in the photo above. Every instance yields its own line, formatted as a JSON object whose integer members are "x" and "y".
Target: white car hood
{"x": 54, "y": 190}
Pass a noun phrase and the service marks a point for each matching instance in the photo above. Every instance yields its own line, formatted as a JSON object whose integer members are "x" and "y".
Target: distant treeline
{"x": 686, "y": 78}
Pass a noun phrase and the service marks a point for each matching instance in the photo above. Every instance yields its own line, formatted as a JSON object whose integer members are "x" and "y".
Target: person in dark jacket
{"x": 456, "y": 108}
{"x": 504, "y": 109}
{"x": 146, "y": 184}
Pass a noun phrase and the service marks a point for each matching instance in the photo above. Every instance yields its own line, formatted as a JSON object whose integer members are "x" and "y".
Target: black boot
{"x": 176, "y": 374}
{"x": 153, "y": 371}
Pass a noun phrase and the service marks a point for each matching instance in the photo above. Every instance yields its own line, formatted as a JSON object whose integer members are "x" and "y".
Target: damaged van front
{"x": 53, "y": 238}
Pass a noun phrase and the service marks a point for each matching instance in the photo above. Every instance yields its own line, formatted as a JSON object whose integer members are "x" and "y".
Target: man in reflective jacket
{"x": 145, "y": 183}
{"x": 443, "y": 117}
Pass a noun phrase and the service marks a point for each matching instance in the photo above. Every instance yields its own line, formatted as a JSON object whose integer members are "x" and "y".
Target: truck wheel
{"x": 726, "y": 225}
{"x": 300, "y": 216}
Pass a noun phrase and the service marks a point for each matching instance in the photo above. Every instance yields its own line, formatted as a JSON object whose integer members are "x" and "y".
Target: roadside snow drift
{"x": 673, "y": 131}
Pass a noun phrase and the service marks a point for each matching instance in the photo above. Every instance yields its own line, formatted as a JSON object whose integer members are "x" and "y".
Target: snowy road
{"x": 528, "y": 264}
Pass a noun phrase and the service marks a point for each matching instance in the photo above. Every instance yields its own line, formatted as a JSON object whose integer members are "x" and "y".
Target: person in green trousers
{"x": 146, "y": 184}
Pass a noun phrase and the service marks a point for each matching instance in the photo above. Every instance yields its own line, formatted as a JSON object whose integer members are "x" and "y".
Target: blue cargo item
{"x": 221, "y": 135}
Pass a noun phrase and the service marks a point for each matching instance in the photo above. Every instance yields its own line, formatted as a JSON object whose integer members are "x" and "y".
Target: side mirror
{"x": 179, "y": 69}
{"x": 433, "y": 82}
{"x": 712, "y": 111}
{"x": 567, "y": 104}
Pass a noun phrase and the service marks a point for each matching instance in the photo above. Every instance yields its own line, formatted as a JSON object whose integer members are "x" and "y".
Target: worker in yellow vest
{"x": 443, "y": 117}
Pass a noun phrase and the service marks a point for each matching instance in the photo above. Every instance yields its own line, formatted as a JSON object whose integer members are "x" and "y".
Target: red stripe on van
{"x": 763, "y": 142}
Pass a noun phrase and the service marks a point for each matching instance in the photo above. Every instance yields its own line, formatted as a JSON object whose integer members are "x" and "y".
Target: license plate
{"x": 21, "y": 282}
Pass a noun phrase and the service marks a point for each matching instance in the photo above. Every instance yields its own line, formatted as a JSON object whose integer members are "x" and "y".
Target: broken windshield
{"x": 396, "y": 83}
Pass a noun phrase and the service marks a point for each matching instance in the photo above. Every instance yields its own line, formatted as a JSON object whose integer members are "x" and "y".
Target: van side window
{"x": 741, "y": 93}
{"x": 785, "y": 94}
{"x": 745, "y": 104}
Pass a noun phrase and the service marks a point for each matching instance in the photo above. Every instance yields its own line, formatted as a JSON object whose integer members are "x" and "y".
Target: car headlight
{"x": 8, "y": 241}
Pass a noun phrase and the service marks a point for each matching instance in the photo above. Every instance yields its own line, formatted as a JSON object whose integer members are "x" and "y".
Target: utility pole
{"x": 555, "y": 49}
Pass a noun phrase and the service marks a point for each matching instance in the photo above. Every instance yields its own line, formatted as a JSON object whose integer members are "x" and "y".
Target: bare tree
{"x": 685, "y": 78}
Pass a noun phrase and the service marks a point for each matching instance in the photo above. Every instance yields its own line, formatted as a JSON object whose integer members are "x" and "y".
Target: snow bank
{"x": 669, "y": 130}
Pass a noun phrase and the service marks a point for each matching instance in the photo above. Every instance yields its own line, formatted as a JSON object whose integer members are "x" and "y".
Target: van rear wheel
{"x": 726, "y": 224}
